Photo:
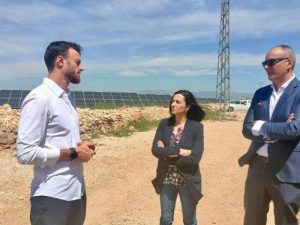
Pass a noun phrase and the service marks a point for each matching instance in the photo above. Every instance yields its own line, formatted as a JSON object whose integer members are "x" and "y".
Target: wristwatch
{"x": 73, "y": 154}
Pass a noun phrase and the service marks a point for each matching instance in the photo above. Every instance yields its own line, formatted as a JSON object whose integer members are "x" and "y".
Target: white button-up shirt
{"x": 48, "y": 123}
{"x": 275, "y": 96}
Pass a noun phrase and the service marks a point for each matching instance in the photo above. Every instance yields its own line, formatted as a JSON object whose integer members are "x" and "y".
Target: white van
{"x": 235, "y": 105}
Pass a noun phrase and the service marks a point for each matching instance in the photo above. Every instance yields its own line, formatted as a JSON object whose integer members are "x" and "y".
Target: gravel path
{"x": 118, "y": 181}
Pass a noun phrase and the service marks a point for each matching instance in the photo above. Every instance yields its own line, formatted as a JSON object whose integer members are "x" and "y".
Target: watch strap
{"x": 73, "y": 153}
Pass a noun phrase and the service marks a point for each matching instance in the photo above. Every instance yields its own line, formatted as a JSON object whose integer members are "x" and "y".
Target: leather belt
{"x": 264, "y": 159}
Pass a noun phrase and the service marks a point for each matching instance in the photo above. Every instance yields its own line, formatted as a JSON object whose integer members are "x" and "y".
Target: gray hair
{"x": 290, "y": 52}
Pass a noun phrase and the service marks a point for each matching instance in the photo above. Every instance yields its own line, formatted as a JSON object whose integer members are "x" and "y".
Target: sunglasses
{"x": 272, "y": 62}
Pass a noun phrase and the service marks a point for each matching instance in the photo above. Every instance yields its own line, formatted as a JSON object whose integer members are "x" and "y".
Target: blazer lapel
{"x": 169, "y": 132}
{"x": 186, "y": 129}
{"x": 285, "y": 95}
{"x": 267, "y": 102}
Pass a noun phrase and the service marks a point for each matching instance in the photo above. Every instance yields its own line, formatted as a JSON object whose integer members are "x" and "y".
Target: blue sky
{"x": 134, "y": 45}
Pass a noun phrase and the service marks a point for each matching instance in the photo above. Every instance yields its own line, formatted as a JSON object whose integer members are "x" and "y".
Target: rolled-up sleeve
{"x": 32, "y": 133}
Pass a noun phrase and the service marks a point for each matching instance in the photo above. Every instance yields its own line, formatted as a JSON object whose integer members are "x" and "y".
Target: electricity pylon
{"x": 223, "y": 76}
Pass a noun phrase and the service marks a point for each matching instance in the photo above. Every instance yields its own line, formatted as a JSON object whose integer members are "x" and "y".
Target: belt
{"x": 264, "y": 159}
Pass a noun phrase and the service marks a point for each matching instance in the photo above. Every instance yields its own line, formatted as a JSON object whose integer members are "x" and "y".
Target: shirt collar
{"x": 58, "y": 91}
{"x": 282, "y": 87}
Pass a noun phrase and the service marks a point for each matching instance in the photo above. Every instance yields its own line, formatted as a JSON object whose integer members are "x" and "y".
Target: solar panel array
{"x": 90, "y": 99}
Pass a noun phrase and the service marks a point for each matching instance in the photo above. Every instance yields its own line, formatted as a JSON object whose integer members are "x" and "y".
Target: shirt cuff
{"x": 256, "y": 127}
{"x": 52, "y": 157}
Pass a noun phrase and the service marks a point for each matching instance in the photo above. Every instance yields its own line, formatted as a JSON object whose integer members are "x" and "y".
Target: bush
{"x": 106, "y": 105}
{"x": 139, "y": 125}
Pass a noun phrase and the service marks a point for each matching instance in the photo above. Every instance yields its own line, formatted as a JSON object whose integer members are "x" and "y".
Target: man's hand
{"x": 185, "y": 152}
{"x": 85, "y": 151}
{"x": 289, "y": 119}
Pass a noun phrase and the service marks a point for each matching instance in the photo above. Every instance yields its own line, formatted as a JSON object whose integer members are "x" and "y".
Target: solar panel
{"x": 142, "y": 96}
{"x": 119, "y": 103}
{"x": 91, "y": 99}
{"x": 116, "y": 96}
{"x": 78, "y": 94}
{"x": 99, "y": 101}
{"x": 134, "y": 96}
{"x": 128, "y": 103}
{"x": 138, "y": 103}
{"x": 16, "y": 94}
{"x": 88, "y": 95}
{"x": 21, "y": 100}
{"x": 3, "y": 101}
{"x": 25, "y": 93}
{"x": 90, "y": 103}
{"x": 157, "y": 97}
{"x": 125, "y": 93}
{"x": 166, "y": 97}
{"x": 107, "y": 95}
{"x": 150, "y": 96}
{"x": 125, "y": 96}
{"x": 110, "y": 102}
{"x": 80, "y": 103}
{"x": 72, "y": 95}
{"x": 14, "y": 103}
{"x": 98, "y": 95}
{"x": 5, "y": 93}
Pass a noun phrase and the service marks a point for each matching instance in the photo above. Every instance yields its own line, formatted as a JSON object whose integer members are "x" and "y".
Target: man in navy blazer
{"x": 272, "y": 124}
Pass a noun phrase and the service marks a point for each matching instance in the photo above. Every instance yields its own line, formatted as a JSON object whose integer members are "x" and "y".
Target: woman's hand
{"x": 160, "y": 144}
{"x": 291, "y": 118}
{"x": 185, "y": 152}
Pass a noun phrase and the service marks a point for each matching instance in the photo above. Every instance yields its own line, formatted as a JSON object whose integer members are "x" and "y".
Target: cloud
{"x": 188, "y": 65}
{"x": 245, "y": 59}
{"x": 31, "y": 12}
{"x": 26, "y": 68}
{"x": 132, "y": 73}
{"x": 138, "y": 38}
{"x": 184, "y": 65}
{"x": 264, "y": 23}
{"x": 194, "y": 73}
{"x": 16, "y": 48}
{"x": 98, "y": 23}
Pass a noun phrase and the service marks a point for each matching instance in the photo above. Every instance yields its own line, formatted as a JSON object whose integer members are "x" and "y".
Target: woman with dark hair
{"x": 178, "y": 145}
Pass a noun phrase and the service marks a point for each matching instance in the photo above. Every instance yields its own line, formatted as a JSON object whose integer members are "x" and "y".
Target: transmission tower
{"x": 223, "y": 78}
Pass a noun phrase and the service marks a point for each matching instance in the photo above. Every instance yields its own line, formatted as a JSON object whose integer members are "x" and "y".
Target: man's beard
{"x": 73, "y": 79}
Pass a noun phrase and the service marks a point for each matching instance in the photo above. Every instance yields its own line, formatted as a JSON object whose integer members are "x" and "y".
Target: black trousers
{"x": 51, "y": 211}
{"x": 261, "y": 187}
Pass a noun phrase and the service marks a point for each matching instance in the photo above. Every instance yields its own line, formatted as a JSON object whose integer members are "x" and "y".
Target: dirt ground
{"x": 118, "y": 181}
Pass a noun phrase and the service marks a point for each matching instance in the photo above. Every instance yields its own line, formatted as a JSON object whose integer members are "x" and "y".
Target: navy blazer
{"x": 192, "y": 138}
{"x": 284, "y": 155}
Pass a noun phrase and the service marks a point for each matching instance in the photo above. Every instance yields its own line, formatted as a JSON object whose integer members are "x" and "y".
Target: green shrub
{"x": 218, "y": 115}
{"x": 106, "y": 105}
{"x": 133, "y": 126}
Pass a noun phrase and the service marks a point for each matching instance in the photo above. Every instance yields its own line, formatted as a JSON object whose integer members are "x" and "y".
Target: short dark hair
{"x": 57, "y": 48}
{"x": 195, "y": 112}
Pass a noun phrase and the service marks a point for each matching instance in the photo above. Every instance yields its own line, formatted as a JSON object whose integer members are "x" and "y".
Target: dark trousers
{"x": 168, "y": 196}
{"x": 262, "y": 186}
{"x": 52, "y": 211}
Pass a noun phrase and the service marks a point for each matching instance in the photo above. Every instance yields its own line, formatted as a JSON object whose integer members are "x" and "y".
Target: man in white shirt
{"x": 49, "y": 139}
{"x": 272, "y": 124}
